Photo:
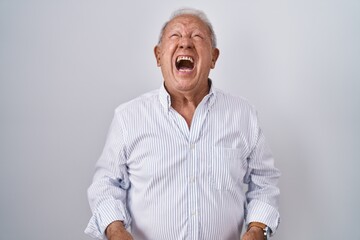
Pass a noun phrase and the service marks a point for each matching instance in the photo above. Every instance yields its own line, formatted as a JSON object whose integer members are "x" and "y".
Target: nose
{"x": 186, "y": 42}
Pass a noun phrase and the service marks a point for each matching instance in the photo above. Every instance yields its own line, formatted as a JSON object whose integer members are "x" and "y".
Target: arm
{"x": 255, "y": 231}
{"x": 107, "y": 193}
{"x": 262, "y": 178}
{"x": 116, "y": 231}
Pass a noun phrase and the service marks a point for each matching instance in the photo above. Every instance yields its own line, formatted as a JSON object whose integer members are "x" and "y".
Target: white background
{"x": 66, "y": 65}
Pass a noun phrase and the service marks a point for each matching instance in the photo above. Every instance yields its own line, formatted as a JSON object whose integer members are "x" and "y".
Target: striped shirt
{"x": 167, "y": 181}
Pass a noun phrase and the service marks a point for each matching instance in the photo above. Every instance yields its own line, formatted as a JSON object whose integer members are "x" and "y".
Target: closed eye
{"x": 197, "y": 36}
{"x": 174, "y": 35}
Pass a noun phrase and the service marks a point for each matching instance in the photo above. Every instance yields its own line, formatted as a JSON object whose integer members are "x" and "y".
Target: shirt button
{"x": 192, "y": 146}
{"x": 193, "y": 213}
{"x": 192, "y": 179}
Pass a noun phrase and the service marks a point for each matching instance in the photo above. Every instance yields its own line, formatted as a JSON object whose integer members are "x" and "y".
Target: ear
{"x": 215, "y": 55}
{"x": 157, "y": 55}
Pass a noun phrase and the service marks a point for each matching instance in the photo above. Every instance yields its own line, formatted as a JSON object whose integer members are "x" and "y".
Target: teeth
{"x": 185, "y": 70}
{"x": 184, "y": 58}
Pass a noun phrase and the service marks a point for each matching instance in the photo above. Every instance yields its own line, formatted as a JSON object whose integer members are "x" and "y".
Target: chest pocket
{"x": 227, "y": 167}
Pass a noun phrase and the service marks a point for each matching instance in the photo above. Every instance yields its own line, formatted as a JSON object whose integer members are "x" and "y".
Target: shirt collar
{"x": 165, "y": 98}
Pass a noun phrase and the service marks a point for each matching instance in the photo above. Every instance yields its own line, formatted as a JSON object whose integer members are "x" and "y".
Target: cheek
{"x": 166, "y": 54}
{"x": 207, "y": 59}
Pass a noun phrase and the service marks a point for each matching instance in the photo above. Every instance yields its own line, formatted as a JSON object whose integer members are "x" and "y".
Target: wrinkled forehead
{"x": 188, "y": 22}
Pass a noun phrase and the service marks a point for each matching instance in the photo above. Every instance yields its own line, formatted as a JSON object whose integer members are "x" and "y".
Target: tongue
{"x": 184, "y": 68}
{"x": 185, "y": 65}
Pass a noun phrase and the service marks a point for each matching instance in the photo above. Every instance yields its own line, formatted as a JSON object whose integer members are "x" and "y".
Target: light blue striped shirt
{"x": 169, "y": 182}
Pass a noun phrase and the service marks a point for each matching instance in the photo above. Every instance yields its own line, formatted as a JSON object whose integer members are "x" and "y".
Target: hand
{"x": 117, "y": 231}
{"x": 254, "y": 233}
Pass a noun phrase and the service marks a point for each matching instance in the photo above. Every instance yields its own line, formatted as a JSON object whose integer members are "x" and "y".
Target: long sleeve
{"x": 262, "y": 178}
{"x": 181, "y": 183}
{"x": 107, "y": 193}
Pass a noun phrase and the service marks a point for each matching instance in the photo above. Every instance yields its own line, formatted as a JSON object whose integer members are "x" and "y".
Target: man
{"x": 176, "y": 159}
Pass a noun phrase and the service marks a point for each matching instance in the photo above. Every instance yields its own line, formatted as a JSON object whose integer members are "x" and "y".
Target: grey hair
{"x": 193, "y": 12}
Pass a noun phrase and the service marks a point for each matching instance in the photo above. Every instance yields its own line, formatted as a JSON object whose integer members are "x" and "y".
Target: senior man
{"x": 187, "y": 161}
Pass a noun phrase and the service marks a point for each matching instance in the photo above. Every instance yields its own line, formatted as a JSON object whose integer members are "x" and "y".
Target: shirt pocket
{"x": 227, "y": 167}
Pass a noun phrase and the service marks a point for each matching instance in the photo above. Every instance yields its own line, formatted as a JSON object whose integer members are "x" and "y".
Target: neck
{"x": 188, "y": 99}
{"x": 185, "y": 103}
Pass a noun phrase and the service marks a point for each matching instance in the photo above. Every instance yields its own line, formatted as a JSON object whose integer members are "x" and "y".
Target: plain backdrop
{"x": 66, "y": 65}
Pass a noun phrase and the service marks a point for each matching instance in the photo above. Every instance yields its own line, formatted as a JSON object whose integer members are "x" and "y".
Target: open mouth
{"x": 184, "y": 63}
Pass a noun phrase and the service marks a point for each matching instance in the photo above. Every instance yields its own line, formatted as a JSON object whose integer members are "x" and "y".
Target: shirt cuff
{"x": 258, "y": 211}
{"x": 103, "y": 216}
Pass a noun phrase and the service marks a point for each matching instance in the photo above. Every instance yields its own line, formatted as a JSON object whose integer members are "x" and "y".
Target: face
{"x": 186, "y": 55}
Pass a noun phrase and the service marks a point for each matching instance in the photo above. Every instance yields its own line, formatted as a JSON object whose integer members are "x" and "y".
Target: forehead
{"x": 188, "y": 22}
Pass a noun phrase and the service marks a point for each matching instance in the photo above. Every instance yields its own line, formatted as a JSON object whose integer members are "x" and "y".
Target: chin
{"x": 185, "y": 84}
